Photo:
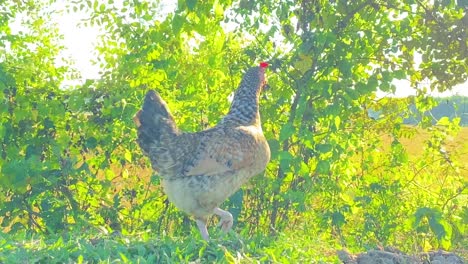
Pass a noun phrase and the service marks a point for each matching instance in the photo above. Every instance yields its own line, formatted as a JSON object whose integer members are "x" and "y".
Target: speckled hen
{"x": 199, "y": 171}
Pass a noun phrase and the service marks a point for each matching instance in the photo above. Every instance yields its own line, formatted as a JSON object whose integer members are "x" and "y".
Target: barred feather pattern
{"x": 201, "y": 170}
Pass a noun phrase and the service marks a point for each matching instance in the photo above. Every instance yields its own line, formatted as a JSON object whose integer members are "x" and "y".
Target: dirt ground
{"x": 394, "y": 256}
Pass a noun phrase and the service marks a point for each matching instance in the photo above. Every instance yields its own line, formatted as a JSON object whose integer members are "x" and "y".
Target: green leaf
{"x": 304, "y": 169}
{"x": 372, "y": 84}
{"x": 444, "y": 121}
{"x": 338, "y": 219}
{"x": 237, "y": 203}
{"x": 323, "y": 148}
{"x": 304, "y": 63}
{"x": 22, "y": 113}
{"x": 15, "y": 175}
{"x": 128, "y": 156}
{"x": 91, "y": 143}
{"x": 286, "y": 132}
{"x": 337, "y": 120}
{"x": 218, "y": 9}
{"x": 285, "y": 160}
{"x": 191, "y": 4}
{"x": 124, "y": 258}
{"x": 437, "y": 227}
{"x": 345, "y": 68}
{"x": 323, "y": 167}
{"x": 274, "y": 147}
{"x": 400, "y": 74}
{"x": 110, "y": 174}
{"x": 177, "y": 23}
{"x": 33, "y": 150}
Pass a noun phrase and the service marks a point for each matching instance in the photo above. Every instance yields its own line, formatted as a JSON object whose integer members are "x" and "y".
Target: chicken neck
{"x": 244, "y": 111}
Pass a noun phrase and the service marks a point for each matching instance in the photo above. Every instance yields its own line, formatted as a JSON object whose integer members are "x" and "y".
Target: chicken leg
{"x": 202, "y": 227}
{"x": 226, "y": 219}
{"x": 225, "y": 223}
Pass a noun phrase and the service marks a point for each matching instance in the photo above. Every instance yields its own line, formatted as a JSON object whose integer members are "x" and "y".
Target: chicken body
{"x": 201, "y": 170}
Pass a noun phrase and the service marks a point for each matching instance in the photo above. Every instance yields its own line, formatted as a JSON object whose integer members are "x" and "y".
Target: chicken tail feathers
{"x": 155, "y": 123}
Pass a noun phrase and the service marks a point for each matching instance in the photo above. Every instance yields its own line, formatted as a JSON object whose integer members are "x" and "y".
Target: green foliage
{"x": 69, "y": 158}
{"x": 144, "y": 248}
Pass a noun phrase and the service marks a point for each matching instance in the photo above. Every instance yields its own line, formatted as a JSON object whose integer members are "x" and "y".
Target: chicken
{"x": 200, "y": 170}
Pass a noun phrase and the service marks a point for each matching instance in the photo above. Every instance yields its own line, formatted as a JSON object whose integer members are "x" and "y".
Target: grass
{"x": 147, "y": 248}
{"x": 456, "y": 147}
{"x": 415, "y": 144}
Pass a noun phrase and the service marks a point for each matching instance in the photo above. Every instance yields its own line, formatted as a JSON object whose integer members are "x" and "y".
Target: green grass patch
{"x": 148, "y": 248}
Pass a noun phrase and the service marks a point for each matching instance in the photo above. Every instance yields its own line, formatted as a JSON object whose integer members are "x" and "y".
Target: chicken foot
{"x": 226, "y": 219}
{"x": 225, "y": 223}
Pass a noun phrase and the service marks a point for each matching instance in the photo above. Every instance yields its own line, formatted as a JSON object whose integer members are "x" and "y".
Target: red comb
{"x": 263, "y": 64}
